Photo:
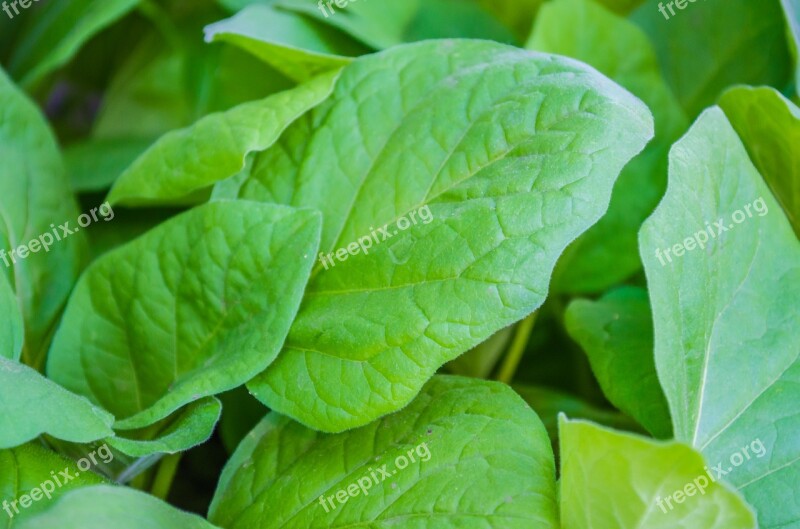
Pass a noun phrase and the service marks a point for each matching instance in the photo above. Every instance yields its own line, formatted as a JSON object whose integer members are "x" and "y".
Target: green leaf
{"x": 104, "y": 506}
{"x": 769, "y": 126}
{"x": 31, "y": 405}
{"x": 197, "y": 306}
{"x": 612, "y": 479}
{"x": 741, "y": 41}
{"x": 193, "y": 426}
{"x": 727, "y": 341}
{"x": 298, "y": 47}
{"x": 31, "y": 467}
{"x": 215, "y": 147}
{"x": 501, "y": 156}
{"x": 481, "y": 458}
{"x": 608, "y": 252}
{"x": 94, "y": 164}
{"x": 58, "y": 31}
{"x": 12, "y": 332}
{"x": 617, "y": 334}
{"x": 34, "y": 202}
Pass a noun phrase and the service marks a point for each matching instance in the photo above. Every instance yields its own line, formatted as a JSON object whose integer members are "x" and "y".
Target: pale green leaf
{"x": 612, "y": 479}
{"x": 106, "y": 506}
{"x": 481, "y": 458}
{"x": 216, "y": 147}
{"x": 197, "y": 306}
{"x": 727, "y": 339}
{"x": 493, "y": 158}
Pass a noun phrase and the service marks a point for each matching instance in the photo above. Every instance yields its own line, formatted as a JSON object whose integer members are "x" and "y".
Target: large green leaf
{"x": 35, "y": 201}
{"x": 481, "y": 458}
{"x": 215, "y": 147}
{"x": 727, "y": 339}
{"x": 106, "y": 506}
{"x": 56, "y": 33}
{"x": 31, "y": 405}
{"x": 617, "y": 334}
{"x": 612, "y": 479}
{"x": 769, "y": 126}
{"x": 713, "y": 44}
{"x": 197, "y": 306}
{"x": 299, "y": 47}
{"x": 33, "y": 467}
{"x": 501, "y": 156}
{"x": 609, "y": 252}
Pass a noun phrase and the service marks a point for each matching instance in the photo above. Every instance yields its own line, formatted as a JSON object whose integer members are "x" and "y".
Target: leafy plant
{"x": 244, "y": 240}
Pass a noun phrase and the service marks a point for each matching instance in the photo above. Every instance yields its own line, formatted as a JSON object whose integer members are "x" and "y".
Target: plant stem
{"x": 514, "y": 354}
{"x": 166, "y": 473}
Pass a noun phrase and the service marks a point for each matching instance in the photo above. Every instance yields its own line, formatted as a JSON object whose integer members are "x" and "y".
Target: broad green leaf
{"x": 94, "y": 164}
{"x": 57, "y": 31}
{"x": 298, "y": 47}
{"x": 216, "y": 147}
{"x": 197, "y": 306}
{"x": 616, "y": 332}
{"x": 31, "y": 467}
{"x": 31, "y": 405}
{"x": 193, "y": 425}
{"x": 726, "y": 313}
{"x": 769, "y": 126}
{"x": 500, "y": 156}
{"x": 619, "y": 480}
{"x": 384, "y": 23}
{"x": 35, "y": 201}
{"x": 106, "y": 506}
{"x": 481, "y": 458}
{"x": 710, "y": 45}
{"x": 609, "y": 253}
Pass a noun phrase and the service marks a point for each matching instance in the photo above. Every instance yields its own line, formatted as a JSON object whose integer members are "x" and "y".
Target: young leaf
{"x": 215, "y": 147}
{"x": 298, "y": 47}
{"x": 193, "y": 425}
{"x": 105, "y": 506}
{"x": 726, "y": 313}
{"x": 35, "y": 201}
{"x": 769, "y": 126}
{"x": 197, "y": 306}
{"x": 481, "y": 458}
{"x": 500, "y": 156}
{"x": 609, "y": 252}
{"x": 31, "y": 405}
{"x": 30, "y": 466}
{"x": 617, "y": 334}
{"x": 613, "y": 479}
{"x": 741, "y": 41}
{"x": 57, "y": 32}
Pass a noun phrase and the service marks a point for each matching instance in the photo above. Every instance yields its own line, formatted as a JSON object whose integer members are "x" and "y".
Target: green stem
{"x": 166, "y": 473}
{"x": 514, "y": 354}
